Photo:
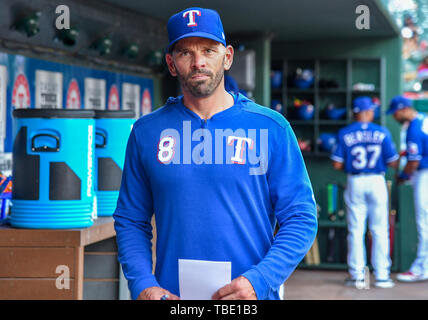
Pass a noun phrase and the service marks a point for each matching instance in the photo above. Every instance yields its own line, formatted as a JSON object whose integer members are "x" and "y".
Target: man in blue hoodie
{"x": 219, "y": 172}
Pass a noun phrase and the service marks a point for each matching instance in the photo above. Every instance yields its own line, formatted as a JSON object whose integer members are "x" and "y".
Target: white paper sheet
{"x": 200, "y": 279}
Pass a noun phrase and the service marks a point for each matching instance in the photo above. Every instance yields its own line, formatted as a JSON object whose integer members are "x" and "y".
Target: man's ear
{"x": 228, "y": 58}
{"x": 170, "y": 62}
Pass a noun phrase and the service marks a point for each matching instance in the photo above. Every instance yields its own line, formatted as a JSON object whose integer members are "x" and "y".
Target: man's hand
{"x": 338, "y": 165}
{"x": 402, "y": 177}
{"x": 155, "y": 293}
{"x": 409, "y": 169}
{"x": 400, "y": 181}
{"x": 239, "y": 289}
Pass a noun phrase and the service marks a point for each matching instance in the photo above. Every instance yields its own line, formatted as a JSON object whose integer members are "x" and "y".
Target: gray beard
{"x": 201, "y": 89}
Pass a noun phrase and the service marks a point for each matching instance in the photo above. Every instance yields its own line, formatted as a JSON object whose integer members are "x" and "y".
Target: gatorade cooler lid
{"x": 53, "y": 113}
{"x": 114, "y": 114}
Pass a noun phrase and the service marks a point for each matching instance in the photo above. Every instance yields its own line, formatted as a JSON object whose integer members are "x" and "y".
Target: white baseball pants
{"x": 420, "y": 188}
{"x": 366, "y": 198}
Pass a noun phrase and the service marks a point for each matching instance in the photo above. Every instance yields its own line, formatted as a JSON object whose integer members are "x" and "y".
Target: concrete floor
{"x": 329, "y": 285}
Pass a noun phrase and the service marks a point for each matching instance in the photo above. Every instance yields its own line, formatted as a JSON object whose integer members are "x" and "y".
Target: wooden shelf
{"x": 301, "y": 122}
{"x": 333, "y": 90}
{"x": 301, "y": 91}
{"x": 103, "y": 228}
{"x": 341, "y": 122}
{"x": 366, "y": 92}
{"x": 30, "y": 271}
{"x": 276, "y": 91}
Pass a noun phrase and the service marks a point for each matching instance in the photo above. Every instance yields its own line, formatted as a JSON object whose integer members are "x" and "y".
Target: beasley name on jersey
{"x": 417, "y": 140}
{"x": 364, "y": 148}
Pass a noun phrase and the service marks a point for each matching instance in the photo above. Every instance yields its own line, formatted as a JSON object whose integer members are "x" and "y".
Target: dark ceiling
{"x": 288, "y": 20}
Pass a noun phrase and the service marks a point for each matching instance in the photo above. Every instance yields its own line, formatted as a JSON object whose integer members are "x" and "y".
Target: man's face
{"x": 199, "y": 64}
{"x": 400, "y": 116}
{"x": 369, "y": 115}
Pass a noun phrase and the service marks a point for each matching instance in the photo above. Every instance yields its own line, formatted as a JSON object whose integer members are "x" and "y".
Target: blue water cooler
{"x": 113, "y": 128}
{"x": 53, "y": 168}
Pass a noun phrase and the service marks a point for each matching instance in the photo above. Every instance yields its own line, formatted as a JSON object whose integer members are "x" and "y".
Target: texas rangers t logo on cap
{"x": 191, "y": 14}
{"x": 195, "y": 22}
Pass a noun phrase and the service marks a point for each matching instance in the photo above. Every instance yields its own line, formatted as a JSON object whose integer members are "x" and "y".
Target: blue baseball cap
{"x": 195, "y": 22}
{"x": 362, "y": 104}
{"x": 398, "y": 103}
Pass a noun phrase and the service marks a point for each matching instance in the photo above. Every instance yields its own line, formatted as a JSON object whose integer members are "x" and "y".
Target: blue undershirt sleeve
{"x": 414, "y": 143}
{"x": 388, "y": 149}
{"x": 132, "y": 221}
{"x": 294, "y": 206}
{"x": 338, "y": 151}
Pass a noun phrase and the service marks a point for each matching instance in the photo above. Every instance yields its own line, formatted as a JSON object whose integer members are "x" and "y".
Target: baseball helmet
{"x": 305, "y": 111}
{"x": 276, "y": 79}
{"x": 276, "y": 105}
{"x": 304, "y": 78}
{"x": 326, "y": 141}
{"x": 333, "y": 113}
{"x": 376, "y": 102}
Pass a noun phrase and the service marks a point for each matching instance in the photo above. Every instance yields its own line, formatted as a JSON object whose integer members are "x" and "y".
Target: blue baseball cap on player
{"x": 398, "y": 103}
{"x": 195, "y": 22}
{"x": 362, "y": 104}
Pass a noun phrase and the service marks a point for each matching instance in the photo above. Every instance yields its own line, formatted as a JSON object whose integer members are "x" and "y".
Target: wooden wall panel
{"x": 34, "y": 289}
{"x": 35, "y": 262}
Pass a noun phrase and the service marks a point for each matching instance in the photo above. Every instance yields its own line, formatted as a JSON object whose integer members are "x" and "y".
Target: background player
{"x": 417, "y": 169}
{"x": 363, "y": 151}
